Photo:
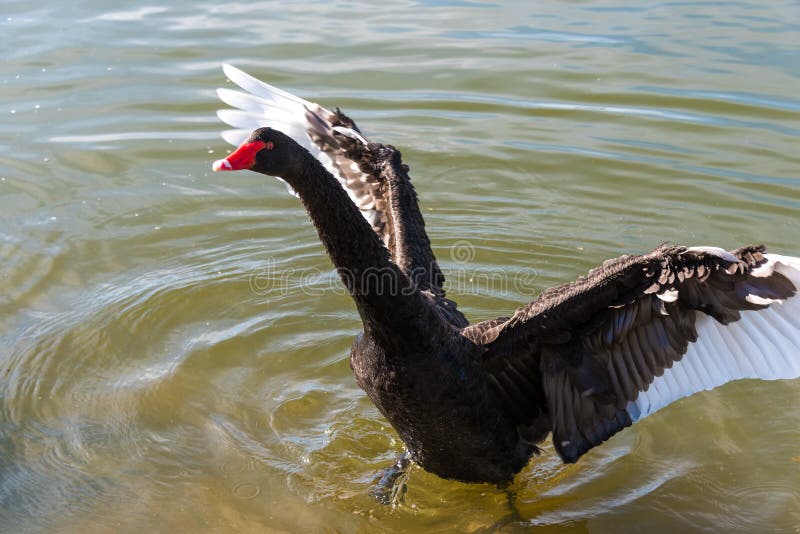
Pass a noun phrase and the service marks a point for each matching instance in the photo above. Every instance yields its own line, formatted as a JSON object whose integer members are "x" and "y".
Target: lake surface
{"x": 174, "y": 343}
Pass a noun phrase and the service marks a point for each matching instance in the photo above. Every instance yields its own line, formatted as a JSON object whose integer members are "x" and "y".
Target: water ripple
{"x": 778, "y": 509}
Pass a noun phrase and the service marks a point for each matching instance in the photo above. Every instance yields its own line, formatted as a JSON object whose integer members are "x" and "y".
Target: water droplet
{"x": 210, "y": 151}
{"x": 37, "y": 106}
{"x": 13, "y": 111}
{"x": 233, "y": 467}
{"x": 246, "y": 490}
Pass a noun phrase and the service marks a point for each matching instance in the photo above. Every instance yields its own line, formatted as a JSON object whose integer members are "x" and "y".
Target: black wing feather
{"x": 599, "y": 341}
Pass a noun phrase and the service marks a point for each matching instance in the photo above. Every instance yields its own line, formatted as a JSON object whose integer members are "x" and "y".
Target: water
{"x": 175, "y": 344}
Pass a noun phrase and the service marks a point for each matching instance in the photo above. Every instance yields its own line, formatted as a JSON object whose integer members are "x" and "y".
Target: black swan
{"x": 582, "y": 361}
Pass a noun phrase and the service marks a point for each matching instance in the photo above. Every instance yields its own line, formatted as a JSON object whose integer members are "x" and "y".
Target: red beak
{"x": 243, "y": 157}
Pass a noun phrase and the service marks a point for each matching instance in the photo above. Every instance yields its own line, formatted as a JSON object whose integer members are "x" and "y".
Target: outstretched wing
{"x": 327, "y": 135}
{"x": 372, "y": 174}
{"x": 641, "y": 332}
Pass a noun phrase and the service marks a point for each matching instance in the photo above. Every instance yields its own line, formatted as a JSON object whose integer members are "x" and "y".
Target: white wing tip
{"x": 235, "y": 137}
{"x": 232, "y": 72}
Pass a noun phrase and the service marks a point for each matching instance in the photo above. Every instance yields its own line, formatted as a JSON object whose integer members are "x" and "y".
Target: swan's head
{"x": 266, "y": 151}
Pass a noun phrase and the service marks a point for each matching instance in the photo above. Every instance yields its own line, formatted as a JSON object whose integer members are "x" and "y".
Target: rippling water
{"x": 174, "y": 344}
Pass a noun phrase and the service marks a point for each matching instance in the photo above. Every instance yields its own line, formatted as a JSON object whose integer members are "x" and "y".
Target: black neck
{"x": 387, "y": 300}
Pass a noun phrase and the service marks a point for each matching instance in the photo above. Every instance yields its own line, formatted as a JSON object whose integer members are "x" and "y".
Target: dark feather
{"x": 604, "y": 338}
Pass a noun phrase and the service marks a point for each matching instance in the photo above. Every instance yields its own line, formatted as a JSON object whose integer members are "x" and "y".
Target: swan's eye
{"x": 270, "y": 145}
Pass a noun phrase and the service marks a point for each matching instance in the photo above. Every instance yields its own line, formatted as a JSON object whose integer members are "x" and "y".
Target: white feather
{"x": 349, "y": 132}
{"x": 255, "y": 113}
{"x": 714, "y": 251}
{"x": 257, "y": 87}
{"x": 668, "y": 296}
{"x": 755, "y": 299}
{"x": 788, "y": 266}
{"x": 235, "y": 137}
{"x": 244, "y": 101}
{"x": 239, "y": 119}
{"x": 763, "y": 344}
{"x": 265, "y": 105}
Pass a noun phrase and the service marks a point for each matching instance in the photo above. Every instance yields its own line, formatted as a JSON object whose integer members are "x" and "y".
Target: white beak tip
{"x": 221, "y": 165}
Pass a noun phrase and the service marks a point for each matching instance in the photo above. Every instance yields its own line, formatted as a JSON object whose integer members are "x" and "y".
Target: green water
{"x": 174, "y": 343}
